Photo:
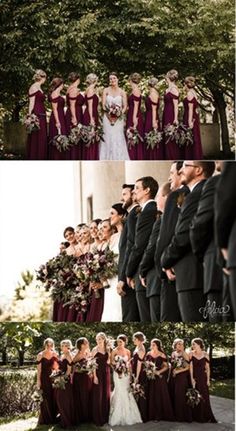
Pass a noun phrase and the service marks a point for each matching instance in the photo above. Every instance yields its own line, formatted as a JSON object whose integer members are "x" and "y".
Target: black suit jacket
{"x": 122, "y": 248}
{"x": 225, "y": 211}
{"x": 128, "y": 241}
{"x": 145, "y": 221}
{"x": 180, "y": 244}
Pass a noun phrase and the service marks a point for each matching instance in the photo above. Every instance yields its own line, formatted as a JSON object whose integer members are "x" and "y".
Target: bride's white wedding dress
{"x": 123, "y": 407}
{"x": 114, "y": 146}
{"x": 112, "y": 311}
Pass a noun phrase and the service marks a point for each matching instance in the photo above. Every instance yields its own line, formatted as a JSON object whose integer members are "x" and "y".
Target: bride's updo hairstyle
{"x": 91, "y": 79}
{"x": 123, "y": 338}
{"x": 55, "y": 83}
{"x": 158, "y": 344}
{"x": 176, "y": 341}
{"x": 119, "y": 208}
{"x": 190, "y": 81}
{"x": 172, "y": 75}
{"x": 66, "y": 343}
{"x": 140, "y": 337}
{"x": 152, "y": 82}
{"x": 39, "y": 74}
{"x": 135, "y": 78}
{"x": 73, "y": 76}
{"x": 80, "y": 342}
{"x": 198, "y": 341}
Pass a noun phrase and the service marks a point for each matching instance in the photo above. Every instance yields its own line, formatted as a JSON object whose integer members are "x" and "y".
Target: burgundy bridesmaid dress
{"x": 135, "y": 152}
{"x": 155, "y": 153}
{"x": 172, "y": 151}
{"x": 60, "y": 313}
{"x": 142, "y": 402}
{"x": 64, "y": 399}
{"x": 158, "y": 398}
{"x": 96, "y": 308}
{"x": 101, "y": 393}
{"x": 55, "y": 154}
{"x": 82, "y": 387}
{"x": 179, "y": 385}
{"x": 37, "y": 143}
{"x": 76, "y": 150}
{"x": 48, "y": 410}
{"x": 92, "y": 152}
{"x": 193, "y": 152}
{"x": 202, "y": 412}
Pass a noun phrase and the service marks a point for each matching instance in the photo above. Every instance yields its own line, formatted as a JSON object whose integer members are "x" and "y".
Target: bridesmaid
{"x": 82, "y": 383}
{"x": 158, "y": 398}
{"x": 200, "y": 378}
{"x": 179, "y": 382}
{"x": 191, "y": 120}
{"x": 57, "y": 122}
{"x": 85, "y": 241}
{"x": 37, "y": 140}
{"x": 94, "y": 233}
{"x": 47, "y": 361}
{"x": 101, "y": 384}
{"x": 134, "y": 116}
{"x": 60, "y": 313}
{"x": 74, "y": 112}
{"x": 64, "y": 397}
{"x": 152, "y": 120}
{"x": 170, "y": 113}
{"x": 91, "y": 116}
{"x": 137, "y": 370}
{"x": 97, "y": 304}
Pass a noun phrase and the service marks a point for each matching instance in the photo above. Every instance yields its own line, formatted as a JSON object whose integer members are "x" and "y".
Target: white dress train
{"x": 123, "y": 407}
{"x": 114, "y": 146}
{"x": 112, "y": 311}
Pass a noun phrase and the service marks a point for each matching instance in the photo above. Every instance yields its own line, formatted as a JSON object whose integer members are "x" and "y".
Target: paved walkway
{"x": 223, "y": 409}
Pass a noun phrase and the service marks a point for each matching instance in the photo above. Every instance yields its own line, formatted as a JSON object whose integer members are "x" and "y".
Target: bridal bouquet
{"x": 31, "y": 123}
{"x": 153, "y": 138}
{"x": 193, "y": 397}
{"x": 182, "y": 135}
{"x": 88, "y": 366}
{"x": 120, "y": 366}
{"x": 59, "y": 379}
{"x": 61, "y": 142}
{"x": 114, "y": 112}
{"x": 150, "y": 370}
{"x": 133, "y": 137}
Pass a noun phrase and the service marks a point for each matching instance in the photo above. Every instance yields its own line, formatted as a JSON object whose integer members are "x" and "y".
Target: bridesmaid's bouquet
{"x": 91, "y": 134}
{"x": 150, "y": 370}
{"x": 136, "y": 389}
{"x": 75, "y": 134}
{"x": 88, "y": 366}
{"x": 59, "y": 379}
{"x": 61, "y": 142}
{"x": 153, "y": 138}
{"x": 178, "y": 363}
{"x": 114, "y": 112}
{"x": 120, "y": 366}
{"x": 193, "y": 397}
{"x": 31, "y": 123}
{"x": 133, "y": 137}
{"x": 37, "y": 396}
{"x": 182, "y": 135}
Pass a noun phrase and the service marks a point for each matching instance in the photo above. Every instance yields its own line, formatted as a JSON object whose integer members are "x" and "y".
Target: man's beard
{"x": 127, "y": 204}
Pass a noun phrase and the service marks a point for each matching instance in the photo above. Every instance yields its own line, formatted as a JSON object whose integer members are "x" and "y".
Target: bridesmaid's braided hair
{"x": 172, "y": 75}
{"x": 91, "y": 78}
{"x": 73, "y": 76}
{"x": 152, "y": 82}
{"x": 190, "y": 81}
{"x": 135, "y": 78}
{"x": 55, "y": 83}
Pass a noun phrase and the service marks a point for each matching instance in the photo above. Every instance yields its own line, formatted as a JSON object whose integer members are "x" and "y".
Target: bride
{"x": 123, "y": 407}
{"x": 114, "y": 103}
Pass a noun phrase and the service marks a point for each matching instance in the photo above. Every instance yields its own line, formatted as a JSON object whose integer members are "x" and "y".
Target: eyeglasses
{"x": 187, "y": 165}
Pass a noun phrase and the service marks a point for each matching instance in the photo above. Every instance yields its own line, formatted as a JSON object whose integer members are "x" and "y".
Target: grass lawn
{"x": 223, "y": 388}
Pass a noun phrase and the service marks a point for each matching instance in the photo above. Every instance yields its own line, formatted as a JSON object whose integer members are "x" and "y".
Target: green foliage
{"x": 223, "y": 388}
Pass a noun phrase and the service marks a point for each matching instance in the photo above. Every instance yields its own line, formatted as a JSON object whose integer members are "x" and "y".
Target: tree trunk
{"x": 21, "y": 357}
{"x": 221, "y": 107}
{"x": 4, "y": 357}
{"x": 16, "y": 111}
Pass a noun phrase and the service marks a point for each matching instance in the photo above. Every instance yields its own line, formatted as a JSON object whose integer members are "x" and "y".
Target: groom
{"x": 145, "y": 191}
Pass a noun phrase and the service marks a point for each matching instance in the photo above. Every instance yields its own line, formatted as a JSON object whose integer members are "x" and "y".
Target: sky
{"x": 36, "y": 204}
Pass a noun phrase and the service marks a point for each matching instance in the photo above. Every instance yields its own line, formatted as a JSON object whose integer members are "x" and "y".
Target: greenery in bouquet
{"x": 37, "y": 396}
{"x": 153, "y": 138}
{"x": 88, "y": 366}
{"x": 120, "y": 366}
{"x": 91, "y": 134}
{"x": 136, "y": 389}
{"x": 150, "y": 370}
{"x": 133, "y": 137}
{"x": 59, "y": 379}
{"x": 75, "y": 134}
{"x": 61, "y": 142}
{"x": 193, "y": 397}
{"x": 179, "y": 362}
{"x": 31, "y": 122}
{"x": 182, "y": 135}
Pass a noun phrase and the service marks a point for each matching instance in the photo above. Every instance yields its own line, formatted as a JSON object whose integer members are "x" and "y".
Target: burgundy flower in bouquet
{"x": 133, "y": 137}
{"x": 120, "y": 366}
{"x": 31, "y": 123}
{"x": 114, "y": 112}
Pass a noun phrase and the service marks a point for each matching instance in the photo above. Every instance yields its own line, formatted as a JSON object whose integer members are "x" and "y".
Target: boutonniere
{"x": 181, "y": 199}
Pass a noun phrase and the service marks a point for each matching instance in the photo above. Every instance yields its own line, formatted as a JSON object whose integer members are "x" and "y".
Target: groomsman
{"x": 148, "y": 274}
{"x": 145, "y": 191}
{"x": 168, "y": 296}
{"x": 178, "y": 259}
{"x": 203, "y": 245}
{"x": 129, "y": 305}
{"x": 225, "y": 222}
